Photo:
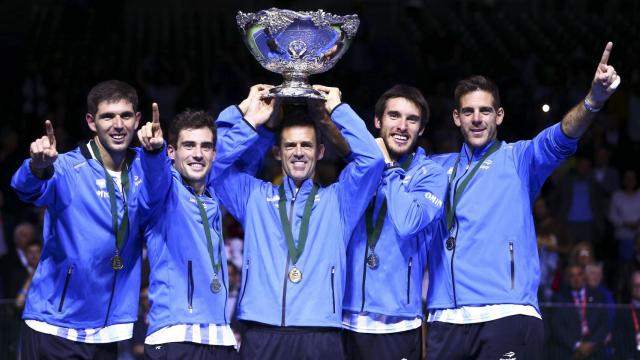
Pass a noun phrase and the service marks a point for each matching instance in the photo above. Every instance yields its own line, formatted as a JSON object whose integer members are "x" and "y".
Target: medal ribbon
{"x": 373, "y": 233}
{"x": 121, "y": 231}
{"x": 634, "y": 317}
{"x": 451, "y": 210}
{"x": 295, "y": 252}
{"x": 207, "y": 232}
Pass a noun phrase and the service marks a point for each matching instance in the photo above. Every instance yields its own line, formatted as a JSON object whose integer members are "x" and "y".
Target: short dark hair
{"x": 297, "y": 115}
{"x": 191, "y": 119}
{"x": 473, "y": 83}
{"x": 111, "y": 91}
{"x": 408, "y": 92}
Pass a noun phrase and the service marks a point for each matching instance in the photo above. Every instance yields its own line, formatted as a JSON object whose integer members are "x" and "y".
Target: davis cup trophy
{"x": 297, "y": 44}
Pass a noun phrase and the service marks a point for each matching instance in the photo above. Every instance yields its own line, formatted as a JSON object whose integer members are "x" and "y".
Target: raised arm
{"x": 233, "y": 186}
{"x": 156, "y": 166}
{"x": 605, "y": 82}
{"x": 361, "y": 176}
{"x": 34, "y": 181}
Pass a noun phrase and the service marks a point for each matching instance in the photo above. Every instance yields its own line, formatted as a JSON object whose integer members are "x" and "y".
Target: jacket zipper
{"x": 286, "y": 266}
{"x": 455, "y": 219}
{"x": 190, "y": 287}
{"x": 409, "y": 281}
{"x": 284, "y": 293}
{"x": 226, "y": 296}
{"x": 333, "y": 291}
{"x": 513, "y": 265}
{"x": 246, "y": 280}
{"x": 364, "y": 276}
{"x": 64, "y": 289}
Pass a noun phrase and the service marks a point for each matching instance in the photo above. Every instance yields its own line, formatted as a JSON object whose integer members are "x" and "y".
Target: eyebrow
{"x": 111, "y": 114}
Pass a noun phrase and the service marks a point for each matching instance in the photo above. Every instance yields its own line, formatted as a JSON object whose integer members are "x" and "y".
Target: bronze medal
{"x": 117, "y": 263}
{"x": 215, "y": 285}
{"x": 295, "y": 276}
{"x": 451, "y": 243}
{"x": 373, "y": 260}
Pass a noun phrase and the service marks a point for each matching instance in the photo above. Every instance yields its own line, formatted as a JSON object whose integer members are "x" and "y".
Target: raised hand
{"x": 332, "y": 96}
{"x": 150, "y": 134}
{"x": 383, "y": 149}
{"x": 43, "y": 150}
{"x": 605, "y": 82}
{"x": 256, "y": 108}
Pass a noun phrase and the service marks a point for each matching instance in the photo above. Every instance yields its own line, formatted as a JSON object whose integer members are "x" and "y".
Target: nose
{"x": 197, "y": 153}
{"x": 118, "y": 122}
{"x": 476, "y": 116}
{"x": 402, "y": 124}
{"x": 298, "y": 152}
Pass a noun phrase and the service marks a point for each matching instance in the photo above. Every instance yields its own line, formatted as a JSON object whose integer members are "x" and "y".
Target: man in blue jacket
{"x": 188, "y": 282}
{"x": 296, "y": 233}
{"x": 387, "y": 252}
{"x": 84, "y": 294}
{"x": 483, "y": 269}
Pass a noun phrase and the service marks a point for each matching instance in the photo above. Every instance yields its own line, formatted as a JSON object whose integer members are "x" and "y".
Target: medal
{"x": 373, "y": 261}
{"x": 295, "y": 276}
{"x": 451, "y": 243}
{"x": 215, "y": 285}
{"x": 116, "y": 262}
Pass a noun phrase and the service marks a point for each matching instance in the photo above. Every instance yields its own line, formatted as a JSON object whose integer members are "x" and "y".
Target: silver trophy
{"x": 297, "y": 44}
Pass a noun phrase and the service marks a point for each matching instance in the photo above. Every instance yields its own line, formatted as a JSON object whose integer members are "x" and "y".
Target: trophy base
{"x": 294, "y": 94}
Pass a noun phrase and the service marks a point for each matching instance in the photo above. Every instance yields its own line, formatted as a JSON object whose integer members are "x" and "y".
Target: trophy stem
{"x": 295, "y": 88}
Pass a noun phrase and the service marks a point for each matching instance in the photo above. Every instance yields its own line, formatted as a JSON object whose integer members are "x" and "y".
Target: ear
{"x": 320, "y": 152}
{"x": 138, "y": 117}
{"x": 421, "y": 130}
{"x": 499, "y": 116}
{"x": 172, "y": 152}
{"x": 377, "y": 123}
{"x": 91, "y": 122}
{"x": 456, "y": 118}
{"x": 213, "y": 157}
{"x": 276, "y": 152}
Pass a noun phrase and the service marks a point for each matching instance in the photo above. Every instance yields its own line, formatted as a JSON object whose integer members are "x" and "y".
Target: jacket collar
{"x": 468, "y": 154}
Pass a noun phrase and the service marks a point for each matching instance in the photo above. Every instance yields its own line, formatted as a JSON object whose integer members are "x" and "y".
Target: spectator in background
{"x": 32, "y": 253}
{"x": 625, "y": 271}
{"x": 578, "y": 330}
{"x": 627, "y": 336}
{"x": 580, "y": 203}
{"x": 604, "y": 174}
{"x": 582, "y": 254}
{"x": 15, "y": 265}
{"x": 624, "y": 215}
{"x": 595, "y": 272}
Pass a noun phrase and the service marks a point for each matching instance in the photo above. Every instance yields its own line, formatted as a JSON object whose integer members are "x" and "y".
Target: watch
{"x": 589, "y": 107}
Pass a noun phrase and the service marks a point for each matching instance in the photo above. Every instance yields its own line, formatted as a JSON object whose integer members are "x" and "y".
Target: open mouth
{"x": 400, "y": 139}
{"x": 196, "y": 166}
{"x": 299, "y": 164}
{"x": 118, "y": 137}
{"x": 477, "y": 132}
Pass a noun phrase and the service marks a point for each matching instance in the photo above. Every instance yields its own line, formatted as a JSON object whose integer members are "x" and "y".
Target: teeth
{"x": 118, "y": 136}
{"x": 400, "y": 137}
{"x": 196, "y": 166}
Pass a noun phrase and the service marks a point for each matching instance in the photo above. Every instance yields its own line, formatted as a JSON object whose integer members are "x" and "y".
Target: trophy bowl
{"x": 297, "y": 44}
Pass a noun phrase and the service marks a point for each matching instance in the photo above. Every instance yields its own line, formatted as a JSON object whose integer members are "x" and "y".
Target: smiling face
{"x": 114, "y": 124}
{"x": 299, "y": 152}
{"x": 400, "y": 126}
{"x": 477, "y": 118}
{"x": 193, "y": 156}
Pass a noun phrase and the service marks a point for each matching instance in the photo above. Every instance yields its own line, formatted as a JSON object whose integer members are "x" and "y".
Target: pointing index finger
{"x": 155, "y": 113}
{"x": 605, "y": 55}
{"x": 49, "y": 130}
